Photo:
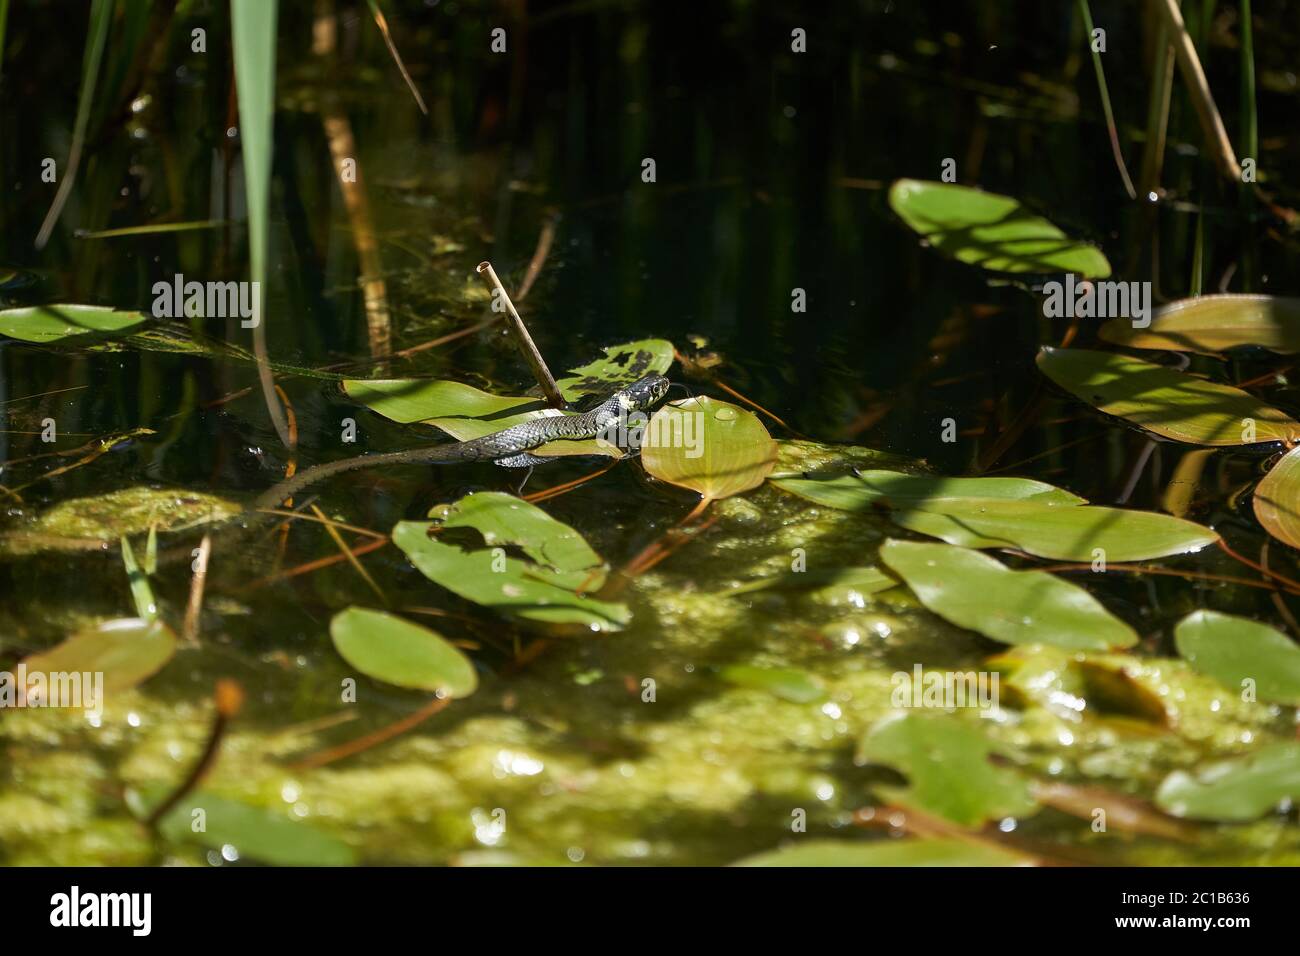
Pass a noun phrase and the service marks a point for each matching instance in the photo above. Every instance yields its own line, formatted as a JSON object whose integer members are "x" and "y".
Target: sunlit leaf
{"x": 1235, "y": 790}
{"x": 400, "y": 652}
{"x": 991, "y": 231}
{"x": 1213, "y": 324}
{"x": 788, "y": 683}
{"x": 974, "y": 591}
{"x": 1164, "y": 401}
{"x": 533, "y": 589}
{"x": 462, "y": 411}
{"x": 948, "y": 769}
{"x": 711, "y": 447}
{"x": 127, "y": 651}
{"x": 839, "y": 853}
{"x": 620, "y": 365}
{"x": 49, "y": 323}
{"x": 1080, "y": 533}
{"x": 1277, "y": 499}
{"x": 1234, "y": 650}
{"x": 868, "y": 489}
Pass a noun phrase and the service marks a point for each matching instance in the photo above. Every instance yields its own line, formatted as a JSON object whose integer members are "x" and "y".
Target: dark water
{"x": 771, "y": 170}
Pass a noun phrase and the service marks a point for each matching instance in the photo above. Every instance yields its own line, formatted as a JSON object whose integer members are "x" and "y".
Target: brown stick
{"x": 191, "y": 629}
{"x": 1189, "y": 64}
{"x": 522, "y": 339}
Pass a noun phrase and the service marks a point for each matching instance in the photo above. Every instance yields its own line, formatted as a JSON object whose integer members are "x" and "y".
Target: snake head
{"x": 646, "y": 392}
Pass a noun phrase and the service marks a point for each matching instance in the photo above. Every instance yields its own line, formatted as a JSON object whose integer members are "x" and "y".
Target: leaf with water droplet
{"x": 711, "y": 447}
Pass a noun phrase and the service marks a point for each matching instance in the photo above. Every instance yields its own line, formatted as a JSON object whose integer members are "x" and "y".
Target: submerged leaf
{"x": 991, "y": 231}
{"x": 974, "y": 591}
{"x": 1236, "y": 790}
{"x": 251, "y": 832}
{"x": 947, "y": 766}
{"x": 1164, "y": 401}
{"x": 127, "y": 651}
{"x": 939, "y": 852}
{"x": 711, "y": 447}
{"x": 796, "y": 686}
{"x": 400, "y": 652}
{"x": 1234, "y": 650}
{"x": 95, "y": 523}
{"x": 1213, "y": 324}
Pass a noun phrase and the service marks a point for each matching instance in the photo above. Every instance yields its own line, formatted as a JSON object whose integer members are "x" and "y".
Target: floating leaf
{"x": 1169, "y": 403}
{"x": 127, "y": 651}
{"x": 95, "y": 523}
{"x": 1016, "y": 607}
{"x": 462, "y": 411}
{"x": 1277, "y": 499}
{"x": 867, "y": 489}
{"x": 621, "y": 365}
{"x": 796, "y": 686}
{"x": 49, "y": 323}
{"x": 886, "y": 853}
{"x": 948, "y": 770}
{"x": 1233, "y": 650}
{"x": 1236, "y": 790}
{"x": 991, "y": 231}
{"x": 506, "y": 520}
{"x": 248, "y": 831}
{"x": 1080, "y": 533}
{"x": 1213, "y": 324}
{"x": 400, "y": 652}
{"x": 711, "y": 447}
{"x": 537, "y": 590}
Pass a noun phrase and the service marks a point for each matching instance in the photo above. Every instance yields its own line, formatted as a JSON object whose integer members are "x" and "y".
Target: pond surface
{"x": 765, "y": 250}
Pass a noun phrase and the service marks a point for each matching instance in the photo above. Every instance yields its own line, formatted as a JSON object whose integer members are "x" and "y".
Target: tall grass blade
{"x": 397, "y": 57}
{"x": 1086, "y": 13}
{"x": 101, "y": 14}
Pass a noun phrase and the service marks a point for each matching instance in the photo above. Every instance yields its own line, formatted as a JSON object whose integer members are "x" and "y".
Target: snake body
{"x": 509, "y": 447}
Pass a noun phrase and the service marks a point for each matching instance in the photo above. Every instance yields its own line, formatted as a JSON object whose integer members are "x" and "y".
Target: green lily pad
{"x": 711, "y": 447}
{"x": 127, "y": 651}
{"x": 868, "y": 489}
{"x": 948, "y": 770}
{"x": 1277, "y": 497}
{"x": 1234, "y": 649}
{"x": 1080, "y": 533}
{"x": 886, "y": 853}
{"x": 50, "y": 323}
{"x": 249, "y": 832}
{"x": 1166, "y": 402}
{"x": 976, "y": 592}
{"x": 532, "y": 589}
{"x": 462, "y": 411}
{"x": 400, "y": 652}
{"x": 506, "y": 520}
{"x": 1236, "y": 790}
{"x": 620, "y": 365}
{"x": 991, "y": 231}
{"x": 788, "y": 683}
{"x": 1214, "y": 324}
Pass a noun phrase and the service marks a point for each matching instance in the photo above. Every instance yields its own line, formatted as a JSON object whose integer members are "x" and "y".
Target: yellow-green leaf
{"x": 1213, "y": 324}
{"x": 711, "y": 447}
{"x": 1277, "y": 499}
{"x": 401, "y": 652}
